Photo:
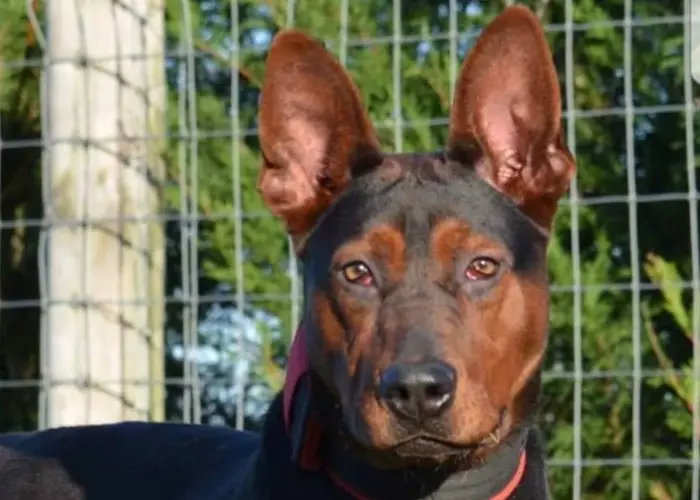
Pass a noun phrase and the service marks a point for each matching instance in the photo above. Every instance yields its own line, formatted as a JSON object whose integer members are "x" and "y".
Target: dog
{"x": 415, "y": 372}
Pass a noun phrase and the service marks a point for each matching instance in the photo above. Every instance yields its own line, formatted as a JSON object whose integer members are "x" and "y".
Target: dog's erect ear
{"x": 313, "y": 131}
{"x": 506, "y": 115}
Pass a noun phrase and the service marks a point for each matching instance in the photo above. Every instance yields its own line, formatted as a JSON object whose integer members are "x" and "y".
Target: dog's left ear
{"x": 506, "y": 115}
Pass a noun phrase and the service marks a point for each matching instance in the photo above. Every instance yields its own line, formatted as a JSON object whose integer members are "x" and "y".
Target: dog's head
{"x": 425, "y": 275}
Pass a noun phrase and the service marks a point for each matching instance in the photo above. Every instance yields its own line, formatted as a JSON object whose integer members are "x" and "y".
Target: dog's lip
{"x": 493, "y": 437}
{"x": 429, "y": 438}
{"x": 496, "y": 434}
{"x": 428, "y": 447}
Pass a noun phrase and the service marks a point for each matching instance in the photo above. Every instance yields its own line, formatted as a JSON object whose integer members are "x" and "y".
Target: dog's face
{"x": 425, "y": 275}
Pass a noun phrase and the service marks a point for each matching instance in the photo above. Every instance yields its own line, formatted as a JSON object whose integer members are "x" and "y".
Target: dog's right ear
{"x": 313, "y": 131}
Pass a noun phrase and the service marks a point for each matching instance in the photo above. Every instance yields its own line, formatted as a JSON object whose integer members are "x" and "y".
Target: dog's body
{"x": 416, "y": 373}
{"x": 141, "y": 461}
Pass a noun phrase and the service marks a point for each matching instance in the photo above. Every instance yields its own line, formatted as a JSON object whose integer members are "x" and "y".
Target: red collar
{"x": 297, "y": 367}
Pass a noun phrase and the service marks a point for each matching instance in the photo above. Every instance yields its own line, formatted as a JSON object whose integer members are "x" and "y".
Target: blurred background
{"x": 142, "y": 278}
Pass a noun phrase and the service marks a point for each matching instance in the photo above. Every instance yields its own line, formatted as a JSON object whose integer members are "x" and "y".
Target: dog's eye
{"x": 482, "y": 268}
{"x": 358, "y": 273}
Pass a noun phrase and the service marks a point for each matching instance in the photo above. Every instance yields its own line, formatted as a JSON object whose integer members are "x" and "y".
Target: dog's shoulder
{"x": 131, "y": 460}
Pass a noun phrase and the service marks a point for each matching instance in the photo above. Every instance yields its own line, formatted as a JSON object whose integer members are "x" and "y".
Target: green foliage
{"x": 600, "y": 267}
{"x": 20, "y": 201}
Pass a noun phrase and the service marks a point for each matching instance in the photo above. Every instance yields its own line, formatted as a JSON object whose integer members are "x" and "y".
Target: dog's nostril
{"x": 389, "y": 390}
{"x": 435, "y": 391}
{"x": 402, "y": 393}
{"x": 418, "y": 391}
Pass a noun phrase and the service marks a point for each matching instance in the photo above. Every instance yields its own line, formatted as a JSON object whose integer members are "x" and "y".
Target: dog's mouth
{"x": 425, "y": 445}
{"x": 425, "y": 448}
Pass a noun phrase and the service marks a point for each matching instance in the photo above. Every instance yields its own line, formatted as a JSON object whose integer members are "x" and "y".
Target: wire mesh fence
{"x": 141, "y": 276}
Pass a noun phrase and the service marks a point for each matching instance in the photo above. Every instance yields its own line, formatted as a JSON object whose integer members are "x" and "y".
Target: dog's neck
{"x": 318, "y": 444}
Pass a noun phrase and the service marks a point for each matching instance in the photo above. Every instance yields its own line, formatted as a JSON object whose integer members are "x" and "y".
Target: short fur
{"x": 410, "y": 261}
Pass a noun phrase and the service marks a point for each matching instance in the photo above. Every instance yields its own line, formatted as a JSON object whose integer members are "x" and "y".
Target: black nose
{"x": 418, "y": 391}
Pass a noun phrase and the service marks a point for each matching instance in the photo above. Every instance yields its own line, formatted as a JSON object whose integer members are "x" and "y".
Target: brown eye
{"x": 358, "y": 273}
{"x": 482, "y": 268}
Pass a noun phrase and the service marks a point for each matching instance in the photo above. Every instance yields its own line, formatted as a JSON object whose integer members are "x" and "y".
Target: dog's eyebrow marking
{"x": 451, "y": 236}
{"x": 386, "y": 244}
